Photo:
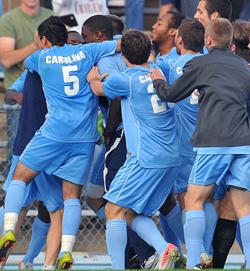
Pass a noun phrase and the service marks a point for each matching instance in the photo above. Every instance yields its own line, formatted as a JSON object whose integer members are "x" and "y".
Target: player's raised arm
{"x": 182, "y": 88}
{"x": 95, "y": 80}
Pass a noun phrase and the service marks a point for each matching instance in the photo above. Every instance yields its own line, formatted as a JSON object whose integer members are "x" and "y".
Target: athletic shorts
{"x": 95, "y": 185}
{"x": 220, "y": 190}
{"x": 115, "y": 157}
{"x": 213, "y": 168}
{"x": 46, "y": 188}
{"x": 142, "y": 189}
{"x": 68, "y": 161}
{"x": 183, "y": 174}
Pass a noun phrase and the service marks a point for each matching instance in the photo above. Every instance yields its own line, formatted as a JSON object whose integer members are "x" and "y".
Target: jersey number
{"x": 158, "y": 105}
{"x": 73, "y": 79}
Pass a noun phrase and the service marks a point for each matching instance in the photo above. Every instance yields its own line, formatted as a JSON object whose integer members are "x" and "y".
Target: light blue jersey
{"x": 112, "y": 65}
{"x": 72, "y": 107}
{"x": 165, "y": 62}
{"x": 186, "y": 111}
{"x": 148, "y": 121}
{"x": 18, "y": 84}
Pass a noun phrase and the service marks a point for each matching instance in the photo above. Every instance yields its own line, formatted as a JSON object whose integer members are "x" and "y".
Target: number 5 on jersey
{"x": 73, "y": 88}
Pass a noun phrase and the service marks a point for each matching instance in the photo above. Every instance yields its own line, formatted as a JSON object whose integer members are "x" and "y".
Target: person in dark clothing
{"x": 222, "y": 135}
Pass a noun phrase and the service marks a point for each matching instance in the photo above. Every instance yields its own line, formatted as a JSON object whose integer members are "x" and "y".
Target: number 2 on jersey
{"x": 73, "y": 89}
{"x": 158, "y": 105}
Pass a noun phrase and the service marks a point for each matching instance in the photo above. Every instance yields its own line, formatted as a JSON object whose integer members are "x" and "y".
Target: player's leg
{"x": 225, "y": 232}
{"x": 40, "y": 228}
{"x": 17, "y": 191}
{"x": 171, "y": 214}
{"x": 53, "y": 239}
{"x": 206, "y": 171}
{"x": 241, "y": 202}
{"x": 195, "y": 224}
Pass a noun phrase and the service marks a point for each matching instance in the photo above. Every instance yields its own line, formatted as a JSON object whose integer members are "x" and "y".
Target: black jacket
{"x": 223, "y": 80}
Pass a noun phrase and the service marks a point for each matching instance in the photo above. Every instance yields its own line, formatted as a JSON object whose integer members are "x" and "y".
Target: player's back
{"x": 153, "y": 121}
{"x": 72, "y": 107}
{"x": 186, "y": 111}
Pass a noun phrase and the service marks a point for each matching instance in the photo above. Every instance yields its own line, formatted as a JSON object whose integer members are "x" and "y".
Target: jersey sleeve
{"x": 19, "y": 83}
{"x": 98, "y": 50}
{"x": 31, "y": 62}
{"x": 116, "y": 86}
{"x": 107, "y": 64}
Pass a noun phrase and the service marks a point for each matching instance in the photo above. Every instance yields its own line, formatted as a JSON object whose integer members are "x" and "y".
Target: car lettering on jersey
{"x": 144, "y": 79}
{"x": 65, "y": 59}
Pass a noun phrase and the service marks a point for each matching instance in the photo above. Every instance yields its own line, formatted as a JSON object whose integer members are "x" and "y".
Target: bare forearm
{"x": 165, "y": 8}
{"x": 96, "y": 87}
{"x": 12, "y": 57}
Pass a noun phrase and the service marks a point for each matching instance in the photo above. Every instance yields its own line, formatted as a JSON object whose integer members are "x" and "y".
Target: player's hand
{"x": 156, "y": 74}
{"x": 94, "y": 75}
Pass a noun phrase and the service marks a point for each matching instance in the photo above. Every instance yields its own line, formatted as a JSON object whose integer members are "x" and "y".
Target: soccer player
{"x": 143, "y": 183}
{"x": 222, "y": 146}
{"x": 227, "y": 222}
{"x": 45, "y": 188}
{"x": 100, "y": 27}
{"x": 65, "y": 143}
{"x": 208, "y": 10}
{"x": 74, "y": 38}
{"x": 163, "y": 35}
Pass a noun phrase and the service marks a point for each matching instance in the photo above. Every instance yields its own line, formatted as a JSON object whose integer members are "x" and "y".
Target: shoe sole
{"x": 5, "y": 251}
{"x": 173, "y": 258}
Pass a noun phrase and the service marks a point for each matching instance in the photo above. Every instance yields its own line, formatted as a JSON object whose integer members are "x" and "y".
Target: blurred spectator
{"x": 17, "y": 31}
{"x": 187, "y": 7}
{"x": 134, "y": 12}
{"x": 46, "y": 4}
{"x": 245, "y": 12}
{"x": 82, "y": 9}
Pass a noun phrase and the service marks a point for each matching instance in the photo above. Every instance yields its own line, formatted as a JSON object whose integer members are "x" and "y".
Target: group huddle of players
{"x": 176, "y": 140}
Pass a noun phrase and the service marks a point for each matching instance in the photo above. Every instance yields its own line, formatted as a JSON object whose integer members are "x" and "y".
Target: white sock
{"x": 10, "y": 220}
{"x": 48, "y": 267}
{"x": 68, "y": 242}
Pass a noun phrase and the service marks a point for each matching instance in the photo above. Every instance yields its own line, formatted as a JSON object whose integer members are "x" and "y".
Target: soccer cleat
{"x": 151, "y": 263}
{"x": 65, "y": 262}
{"x": 25, "y": 266}
{"x": 198, "y": 267}
{"x": 7, "y": 243}
{"x": 168, "y": 258}
{"x": 206, "y": 261}
{"x": 181, "y": 263}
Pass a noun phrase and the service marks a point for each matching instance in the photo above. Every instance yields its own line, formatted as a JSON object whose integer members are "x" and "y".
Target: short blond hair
{"x": 220, "y": 31}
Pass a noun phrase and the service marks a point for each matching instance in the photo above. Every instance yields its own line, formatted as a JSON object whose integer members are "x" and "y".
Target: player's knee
{"x": 113, "y": 211}
{"x": 94, "y": 204}
{"x": 168, "y": 205}
{"x": 71, "y": 191}
{"x": 23, "y": 173}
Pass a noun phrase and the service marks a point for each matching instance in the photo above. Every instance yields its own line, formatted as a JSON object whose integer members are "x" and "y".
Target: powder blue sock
{"x": 168, "y": 234}
{"x": 71, "y": 217}
{"x": 211, "y": 220}
{"x": 238, "y": 237}
{"x": 194, "y": 229}
{"x": 174, "y": 220}
{"x": 101, "y": 213}
{"x": 1, "y": 218}
{"x": 17, "y": 191}
{"x": 245, "y": 237}
{"x": 38, "y": 240}
{"x": 116, "y": 239}
{"x": 148, "y": 231}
